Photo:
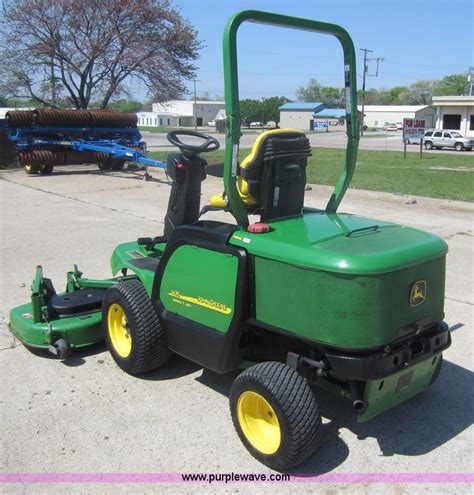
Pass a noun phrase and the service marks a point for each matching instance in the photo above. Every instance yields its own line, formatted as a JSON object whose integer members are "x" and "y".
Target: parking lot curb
{"x": 457, "y": 206}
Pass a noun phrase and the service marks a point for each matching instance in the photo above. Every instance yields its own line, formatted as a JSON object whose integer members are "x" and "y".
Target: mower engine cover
{"x": 346, "y": 281}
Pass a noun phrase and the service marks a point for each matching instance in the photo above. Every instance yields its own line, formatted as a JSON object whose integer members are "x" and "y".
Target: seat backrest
{"x": 272, "y": 177}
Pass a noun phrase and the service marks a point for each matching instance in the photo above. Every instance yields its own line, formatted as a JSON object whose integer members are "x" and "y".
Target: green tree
{"x": 250, "y": 111}
{"x": 309, "y": 93}
{"x": 390, "y": 96}
{"x": 271, "y": 112}
{"x": 452, "y": 85}
{"x": 126, "y": 105}
{"x": 419, "y": 93}
{"x": 332, "y": 97}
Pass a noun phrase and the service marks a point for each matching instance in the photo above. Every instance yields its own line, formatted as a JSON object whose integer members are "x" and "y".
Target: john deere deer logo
{"x": 418, "y": 293}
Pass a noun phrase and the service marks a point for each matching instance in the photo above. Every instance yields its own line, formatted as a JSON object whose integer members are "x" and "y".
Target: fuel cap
{"x": 259, "y": 228}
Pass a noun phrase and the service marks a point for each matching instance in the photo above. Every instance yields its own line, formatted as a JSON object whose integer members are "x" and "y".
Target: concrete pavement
{"x": 86, "y": 415}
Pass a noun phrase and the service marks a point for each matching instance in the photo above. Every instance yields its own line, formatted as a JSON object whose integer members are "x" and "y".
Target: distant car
{"x": 399, "y": 126}
{"x": 390, "y": 127}
{"x": 255, "y": 124}
{"x": 413, "y": 139}
{"x": 212, "y": 123}
{"x": 447, "y": 139}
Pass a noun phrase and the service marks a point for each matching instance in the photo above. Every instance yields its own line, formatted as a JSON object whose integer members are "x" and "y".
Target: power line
{"x": 366, "y": 74}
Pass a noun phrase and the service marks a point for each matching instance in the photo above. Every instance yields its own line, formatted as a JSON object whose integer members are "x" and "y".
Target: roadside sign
{"x": 321, "y": 126}
{"x": 413, "y": 128}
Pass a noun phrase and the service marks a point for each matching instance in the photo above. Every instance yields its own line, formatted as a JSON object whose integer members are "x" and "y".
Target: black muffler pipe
{"x": 359, "y": 404}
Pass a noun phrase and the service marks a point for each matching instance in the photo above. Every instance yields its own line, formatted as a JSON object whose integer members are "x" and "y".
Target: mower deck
{"x": 77, "y": 331}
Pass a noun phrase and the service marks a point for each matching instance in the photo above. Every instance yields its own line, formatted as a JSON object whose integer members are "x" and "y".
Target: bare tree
{"x": 89, "y": 51}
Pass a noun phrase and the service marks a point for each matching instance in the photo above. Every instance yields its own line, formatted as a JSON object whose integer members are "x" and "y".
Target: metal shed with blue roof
{"x": 299, "y": 115}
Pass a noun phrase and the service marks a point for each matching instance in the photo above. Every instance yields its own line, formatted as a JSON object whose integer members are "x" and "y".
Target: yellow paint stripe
{"x": 205, "y": 303}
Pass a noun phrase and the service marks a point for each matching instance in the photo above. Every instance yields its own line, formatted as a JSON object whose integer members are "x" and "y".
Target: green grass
{"x": 388, "y": 171}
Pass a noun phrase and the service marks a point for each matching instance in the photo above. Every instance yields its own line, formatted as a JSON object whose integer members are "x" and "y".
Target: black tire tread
{"x": 150, "y": 345}
{"x": 292, "y": 393}
{"x": 117, "y": 164}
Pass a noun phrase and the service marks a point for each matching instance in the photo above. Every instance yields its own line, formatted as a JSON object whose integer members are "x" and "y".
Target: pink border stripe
{"x": 347, "y": 478}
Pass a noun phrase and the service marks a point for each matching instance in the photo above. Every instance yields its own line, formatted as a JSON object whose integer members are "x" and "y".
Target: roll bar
{"x": 235, "y": 203}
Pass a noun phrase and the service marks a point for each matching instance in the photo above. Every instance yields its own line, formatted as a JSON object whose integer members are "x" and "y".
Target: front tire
{"x": 132, "y": 329}
{"x": 428, "y": 145}
{"x": 459, "y": 147}
{"x": 275, "y": 414}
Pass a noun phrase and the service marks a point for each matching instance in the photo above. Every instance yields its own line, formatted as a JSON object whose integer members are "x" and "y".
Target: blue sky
{"x": 419, "y": 39}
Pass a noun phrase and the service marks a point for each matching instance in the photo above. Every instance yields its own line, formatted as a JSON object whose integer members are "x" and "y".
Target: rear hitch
{"x": 297, "y": 362}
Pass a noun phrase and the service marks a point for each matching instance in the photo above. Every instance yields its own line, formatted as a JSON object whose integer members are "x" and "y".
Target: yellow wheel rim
{"x": 30, "y": 169}
{"x": 258, "y": 422}
{"x": 117, "y": 327}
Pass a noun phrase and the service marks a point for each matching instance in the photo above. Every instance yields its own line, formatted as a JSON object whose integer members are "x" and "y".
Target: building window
{"x": 471, "y": 123}
{"x": 451, "y": 121}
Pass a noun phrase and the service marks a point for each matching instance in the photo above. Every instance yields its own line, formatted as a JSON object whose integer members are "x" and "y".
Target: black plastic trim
{"x": 210, "y": 348}
{"x": 146, "y": 263}
{"x": 380, "y": 364}
{"x": 77, "y": 303}
{"x": 374, "y": 363}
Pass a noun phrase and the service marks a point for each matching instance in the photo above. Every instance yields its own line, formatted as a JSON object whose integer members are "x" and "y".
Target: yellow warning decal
{"x": 201, "y": 301}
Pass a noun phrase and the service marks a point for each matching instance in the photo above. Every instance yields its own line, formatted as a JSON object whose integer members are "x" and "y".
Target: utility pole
{"x": 365, "y": 75}
{"x": 263, "y": 113}
{"x": 470, "y": 78}
{"x": 365, "y": 50}
{"x": 194, "y": 106}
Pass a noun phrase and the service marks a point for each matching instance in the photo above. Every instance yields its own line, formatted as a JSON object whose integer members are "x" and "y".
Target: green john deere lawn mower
{"x": 303, "y": 297}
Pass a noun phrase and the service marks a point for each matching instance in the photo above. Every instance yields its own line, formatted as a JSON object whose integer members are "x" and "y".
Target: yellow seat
{"x": 252, "y": 161}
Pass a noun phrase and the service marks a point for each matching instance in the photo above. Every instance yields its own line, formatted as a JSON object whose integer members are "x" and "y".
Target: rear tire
{"x": 132, "y": 329}
{"x": 275, "y": 414}
{"x": 428, "y": 145}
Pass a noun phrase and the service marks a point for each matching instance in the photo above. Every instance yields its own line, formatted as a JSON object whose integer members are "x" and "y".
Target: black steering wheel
{"x": 210, "y": 143}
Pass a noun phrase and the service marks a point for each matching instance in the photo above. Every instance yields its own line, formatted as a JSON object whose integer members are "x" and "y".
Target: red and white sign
{"x": 413, "y": 128}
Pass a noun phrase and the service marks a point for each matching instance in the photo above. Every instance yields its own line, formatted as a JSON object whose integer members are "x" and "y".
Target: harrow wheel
{"x": 46, "y": 169}
{"x": 32, "y": 169}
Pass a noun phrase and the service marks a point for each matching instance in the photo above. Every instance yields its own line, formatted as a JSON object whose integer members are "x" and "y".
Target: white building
{"x": 153, "y": 119}
{"x": 186, "y": 111}
{"x": 455, "y": 112}
{"x": 379, "y": 115}
{"x": 299, "y": 115}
